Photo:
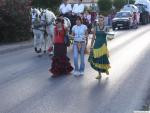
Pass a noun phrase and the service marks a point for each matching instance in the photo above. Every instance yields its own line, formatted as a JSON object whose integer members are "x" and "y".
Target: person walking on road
{"x": 79, "y": 32}
{"x": 98, "y": 57}
{"x": 87, "y": 20}
{"x": 93, "y": 12}
{"x": 60, "y": 61}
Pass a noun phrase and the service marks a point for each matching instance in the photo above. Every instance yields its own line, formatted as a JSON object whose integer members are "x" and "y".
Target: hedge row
{"x": 14, "y": 21}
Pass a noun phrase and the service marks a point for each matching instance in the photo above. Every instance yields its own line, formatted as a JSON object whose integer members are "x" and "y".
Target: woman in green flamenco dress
{"x": 99, "y": 53}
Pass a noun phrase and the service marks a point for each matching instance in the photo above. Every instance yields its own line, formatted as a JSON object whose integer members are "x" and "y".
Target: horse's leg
{"x": 50, "y": 44}
{"x": 52, "y": 36}
{"x": 50, "y": 39}
{"x": 35, "y": 43}
{"x": 45, "y": 40}
{"x": 35, "y": 40}
{"x": 38, "y": 41}
{"x": 41, "y": 40}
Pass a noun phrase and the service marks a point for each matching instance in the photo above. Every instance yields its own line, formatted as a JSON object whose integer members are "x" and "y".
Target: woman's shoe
{"x": 50, "y": 49}
{"x": 107, "y": 72}
{"x": 82, "y": 73}
{"x": 55, "y": 76}
{"x": 76, "y": 73}
{"x": 99, "y": 77}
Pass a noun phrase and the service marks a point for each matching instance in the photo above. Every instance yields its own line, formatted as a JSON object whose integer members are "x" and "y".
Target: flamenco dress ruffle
{"x": 60, "y": 66}
{"x": 98, "y": 59}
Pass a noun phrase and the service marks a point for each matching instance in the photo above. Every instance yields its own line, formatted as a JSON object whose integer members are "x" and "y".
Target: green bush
{"x": 14, "y": 21}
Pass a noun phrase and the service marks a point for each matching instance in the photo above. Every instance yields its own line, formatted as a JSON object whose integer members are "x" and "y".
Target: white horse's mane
{"x": 37, "y": 11}
{"x": 50, "y": 15}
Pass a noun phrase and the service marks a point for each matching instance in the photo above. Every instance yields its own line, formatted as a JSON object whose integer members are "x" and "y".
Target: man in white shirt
{"x": 65, "y": 8}
{"x": 78, "y": 8}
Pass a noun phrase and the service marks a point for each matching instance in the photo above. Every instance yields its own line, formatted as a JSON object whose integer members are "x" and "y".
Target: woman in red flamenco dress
{"x": 60, "y": 62}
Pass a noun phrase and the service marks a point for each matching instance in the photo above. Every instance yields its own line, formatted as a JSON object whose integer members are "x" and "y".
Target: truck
{"x": 144, "y": 10}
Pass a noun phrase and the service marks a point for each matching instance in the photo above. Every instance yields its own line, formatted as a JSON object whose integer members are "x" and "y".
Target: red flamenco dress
{"x": 60, "y": 62}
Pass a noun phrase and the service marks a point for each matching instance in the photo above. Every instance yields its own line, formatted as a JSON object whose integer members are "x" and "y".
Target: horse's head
{"x": 43, "y": 16}
{"x": 35, "y": 14}
{"x": 38, "y": 19}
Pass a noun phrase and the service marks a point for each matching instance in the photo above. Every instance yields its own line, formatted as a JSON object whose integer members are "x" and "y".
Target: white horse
{"x": 38, "y": 30}
{"x": 48, "y": 18}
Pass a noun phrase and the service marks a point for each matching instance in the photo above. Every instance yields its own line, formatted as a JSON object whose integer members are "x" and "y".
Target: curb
{"x": 15, "y": 47}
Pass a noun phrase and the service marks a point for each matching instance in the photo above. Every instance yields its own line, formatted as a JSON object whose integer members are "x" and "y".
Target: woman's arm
{"x": 72, "y": 33}
{"x": 66, "y": 30}
{"x": 86, "y": 34}
{"x": 106, "y": 29}
{"x": 93, "y": 38}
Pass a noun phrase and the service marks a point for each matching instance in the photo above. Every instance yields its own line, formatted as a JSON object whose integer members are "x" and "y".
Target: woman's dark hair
{"x": 60, "y": 15}
{"x": 101, "y": 16}
{"x": 79, "y": 18}
{"x": 59, "y": 20}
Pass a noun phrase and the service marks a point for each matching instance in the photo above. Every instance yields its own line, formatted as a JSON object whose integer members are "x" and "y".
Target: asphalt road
{"x": 26, "y": 85}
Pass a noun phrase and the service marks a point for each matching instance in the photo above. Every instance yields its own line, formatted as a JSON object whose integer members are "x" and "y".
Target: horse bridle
{"x": 35, "y": 15}
{"x": 41, "y": 16}
{"x": 50, "y": 23}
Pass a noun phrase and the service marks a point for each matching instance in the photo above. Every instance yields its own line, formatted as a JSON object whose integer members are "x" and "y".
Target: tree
{"x": 14, "y": 20}
{"x": 104, "y": 6}
{"x": 51, "y": 4}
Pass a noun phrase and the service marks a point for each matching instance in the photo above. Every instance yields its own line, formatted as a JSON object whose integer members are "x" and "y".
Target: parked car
{"x": 123, "y": 19}
{"x": 134, "y": 9}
